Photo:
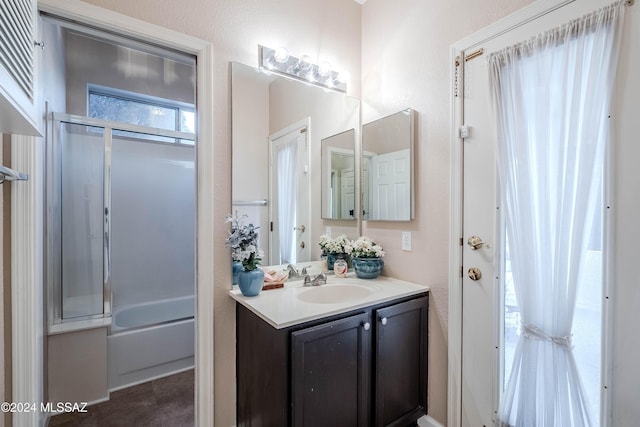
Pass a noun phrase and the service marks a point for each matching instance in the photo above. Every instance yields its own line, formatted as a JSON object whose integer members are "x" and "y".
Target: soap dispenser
{"x": 340, "y": 268}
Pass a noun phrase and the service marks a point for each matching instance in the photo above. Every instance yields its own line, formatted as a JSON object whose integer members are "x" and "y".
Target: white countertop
{"x": 283, "y": 307}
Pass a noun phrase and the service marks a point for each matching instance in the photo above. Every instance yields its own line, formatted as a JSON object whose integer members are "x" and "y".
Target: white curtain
{"x": 286, "y": 154}
{"x": 552, "y": 96}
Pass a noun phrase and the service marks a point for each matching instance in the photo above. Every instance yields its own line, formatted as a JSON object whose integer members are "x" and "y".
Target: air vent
{"x": 16, "y": 42}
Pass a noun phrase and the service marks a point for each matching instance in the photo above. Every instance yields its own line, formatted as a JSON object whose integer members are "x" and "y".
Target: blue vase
{"x": 251, "y": 282}
{"x": 236, "y": 268}
{"x": 368, "y": 268}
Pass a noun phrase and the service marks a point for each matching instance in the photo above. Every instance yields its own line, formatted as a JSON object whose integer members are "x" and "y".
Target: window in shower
{"x": 137, "y": 109}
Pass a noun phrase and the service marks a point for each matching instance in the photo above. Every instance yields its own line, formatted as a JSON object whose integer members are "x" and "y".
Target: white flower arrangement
{"x": 364, "y": 247}
{"x": 243, "y": 241}
{"x": 336, "y": 245}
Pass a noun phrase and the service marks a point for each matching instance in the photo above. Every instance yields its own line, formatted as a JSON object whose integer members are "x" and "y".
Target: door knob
{"x": 476, "y": 242}
{"x": 300, "y": 229}
{"x": 474, "y": 273}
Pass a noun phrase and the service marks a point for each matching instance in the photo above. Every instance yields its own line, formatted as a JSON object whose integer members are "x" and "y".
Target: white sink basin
{"x": 332, "y": 294}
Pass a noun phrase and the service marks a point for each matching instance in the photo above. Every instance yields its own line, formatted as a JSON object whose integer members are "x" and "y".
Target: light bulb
{"x": 281, "y": 55}
{"x": 304, "y": 63}
{"x": 310, "y": 76}
{"x": 324, "y": 69}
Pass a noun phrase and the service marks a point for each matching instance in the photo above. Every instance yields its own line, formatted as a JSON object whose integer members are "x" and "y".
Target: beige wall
{"x": 405, "y": 63}
{"x": 403, "y": 47}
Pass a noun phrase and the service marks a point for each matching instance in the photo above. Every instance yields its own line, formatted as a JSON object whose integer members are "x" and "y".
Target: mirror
{"x": 277, "y": 128}
{"x": 338, "y": 176}
{"x": 387, "y": 168}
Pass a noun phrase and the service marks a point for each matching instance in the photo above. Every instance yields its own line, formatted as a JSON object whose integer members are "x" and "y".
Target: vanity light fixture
{"x": 281, "y": 62}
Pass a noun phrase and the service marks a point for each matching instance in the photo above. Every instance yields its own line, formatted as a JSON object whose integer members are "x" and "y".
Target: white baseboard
{"x": 428, "y": 421}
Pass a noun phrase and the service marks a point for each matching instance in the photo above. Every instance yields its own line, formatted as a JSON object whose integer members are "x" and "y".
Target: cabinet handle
{"x": 383, "y": 321}
{"x": 366, "y": 326}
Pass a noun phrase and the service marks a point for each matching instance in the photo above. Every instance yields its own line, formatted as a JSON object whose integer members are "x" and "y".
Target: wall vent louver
{"x": 16, "y": 42}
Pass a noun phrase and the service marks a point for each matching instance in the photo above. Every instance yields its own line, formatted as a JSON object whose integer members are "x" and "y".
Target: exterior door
{"x": 481, "y": 214}
{"x": 479, "y": 258}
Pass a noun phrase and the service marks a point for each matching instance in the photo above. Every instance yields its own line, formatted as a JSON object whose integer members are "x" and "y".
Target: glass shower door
{"x": 153, "y": 226}
{"x": 81, "y": 209}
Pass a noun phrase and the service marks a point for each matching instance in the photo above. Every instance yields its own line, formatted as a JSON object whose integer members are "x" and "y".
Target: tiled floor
{"x": 166, "y": 402}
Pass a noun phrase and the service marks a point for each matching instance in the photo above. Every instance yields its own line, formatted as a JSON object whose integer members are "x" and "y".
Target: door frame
{"x": 32, "y": 364}
{"x": 520, "y": 17}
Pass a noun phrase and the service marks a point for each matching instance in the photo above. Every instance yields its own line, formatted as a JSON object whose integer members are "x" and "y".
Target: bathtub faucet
{"x": 320, "y": 279}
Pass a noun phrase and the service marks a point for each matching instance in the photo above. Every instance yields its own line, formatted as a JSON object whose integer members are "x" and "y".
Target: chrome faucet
{"x": 320, "y": 279}
{"x": 292, "y": 271}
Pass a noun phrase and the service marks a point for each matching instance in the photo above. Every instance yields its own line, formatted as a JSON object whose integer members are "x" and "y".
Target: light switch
{"x": 406, "y": 240}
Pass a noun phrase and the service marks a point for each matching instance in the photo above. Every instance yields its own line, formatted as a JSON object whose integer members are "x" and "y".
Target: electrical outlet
{"x": 406, "y": 240}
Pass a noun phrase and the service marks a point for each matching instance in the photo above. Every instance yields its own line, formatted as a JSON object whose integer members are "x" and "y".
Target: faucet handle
{"x": 304, "y": 269}
{"x": 307, "y": 280}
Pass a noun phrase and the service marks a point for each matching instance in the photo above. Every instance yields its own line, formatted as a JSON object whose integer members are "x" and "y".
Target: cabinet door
{"x": 331, "y": 373}
{"x": 401, "y": 363}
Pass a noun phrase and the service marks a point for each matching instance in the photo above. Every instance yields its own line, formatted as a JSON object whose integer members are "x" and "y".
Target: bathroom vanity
{"x": 349, "y": 353}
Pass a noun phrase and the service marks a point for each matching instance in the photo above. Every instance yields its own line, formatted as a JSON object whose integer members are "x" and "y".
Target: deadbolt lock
{"x": 474, "y": 273}
{"x": 302, "y": 245}
{"x": 476, "y": 242}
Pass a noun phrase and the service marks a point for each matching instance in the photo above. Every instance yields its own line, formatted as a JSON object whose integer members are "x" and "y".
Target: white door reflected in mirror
{"x": 338, "y": 176}
{"x": 387, "y": 167}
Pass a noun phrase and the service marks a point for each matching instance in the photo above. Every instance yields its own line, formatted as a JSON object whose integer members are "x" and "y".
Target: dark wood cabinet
{"x": 401, "y": 363}
{"x": 364, "y": 368}
{"x": 331, "y": 373}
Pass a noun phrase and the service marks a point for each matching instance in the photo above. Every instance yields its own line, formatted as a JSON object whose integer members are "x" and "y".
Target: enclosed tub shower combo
{"x": 121, "y": 242}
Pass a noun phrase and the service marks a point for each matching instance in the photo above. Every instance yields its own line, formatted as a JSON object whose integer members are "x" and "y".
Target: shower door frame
{"x": 56, "y": 322}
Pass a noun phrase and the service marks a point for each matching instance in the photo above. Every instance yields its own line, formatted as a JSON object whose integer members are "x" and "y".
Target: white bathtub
{"x": 139, "y": 353}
